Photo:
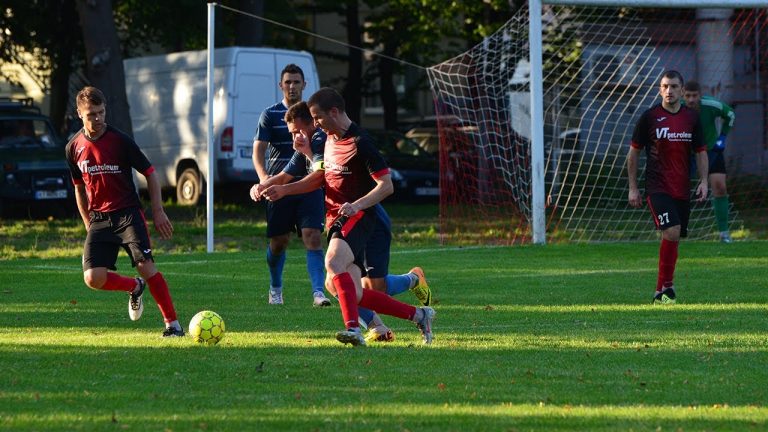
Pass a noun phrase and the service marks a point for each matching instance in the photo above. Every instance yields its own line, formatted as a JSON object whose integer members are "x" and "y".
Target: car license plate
{"x": 246, "y": 152}
{"x": 427, "y": 191}
{"x": 47, "y": 194}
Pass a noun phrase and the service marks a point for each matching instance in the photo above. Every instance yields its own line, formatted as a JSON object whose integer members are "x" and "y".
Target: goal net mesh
{"x": 601, "y": 71}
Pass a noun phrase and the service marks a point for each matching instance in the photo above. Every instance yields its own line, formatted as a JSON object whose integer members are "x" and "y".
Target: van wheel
{"x": 188, "y": 187}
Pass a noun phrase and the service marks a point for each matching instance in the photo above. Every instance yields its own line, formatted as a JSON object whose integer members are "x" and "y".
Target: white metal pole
{"x": 211, "y": 156}
{"x": 537, "y": 124}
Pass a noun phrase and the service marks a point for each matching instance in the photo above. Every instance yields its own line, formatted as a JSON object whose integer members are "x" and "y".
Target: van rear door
{"x": 256, "y": 86}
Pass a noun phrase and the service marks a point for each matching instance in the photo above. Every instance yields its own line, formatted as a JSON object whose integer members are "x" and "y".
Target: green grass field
{"x": 561, "y": 337}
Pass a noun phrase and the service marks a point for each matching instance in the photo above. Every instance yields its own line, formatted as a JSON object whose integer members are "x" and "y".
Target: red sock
{"x": 115, "y": 282}
{"x": 158, "y": 287}
{"x": 382, "y": 303}
{"x": 347, "y": 291}
{"x": 667, "y": 262}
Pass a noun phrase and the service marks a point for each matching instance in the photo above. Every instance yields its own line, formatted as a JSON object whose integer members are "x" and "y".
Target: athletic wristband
{"x": 318, "y": 166}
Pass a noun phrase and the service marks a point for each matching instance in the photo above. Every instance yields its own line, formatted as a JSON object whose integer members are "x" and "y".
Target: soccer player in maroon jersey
{"x": 101, "y": 159}
{"x": 669, "y": 132}
{"x": 356, "y": 178}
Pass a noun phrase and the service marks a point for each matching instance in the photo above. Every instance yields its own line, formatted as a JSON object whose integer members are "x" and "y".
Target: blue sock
{"x": 315, "y": 268}
{"x": 366, "y": 315}
{"x": 397, "y": 284}
{"x": 276, "y": 264}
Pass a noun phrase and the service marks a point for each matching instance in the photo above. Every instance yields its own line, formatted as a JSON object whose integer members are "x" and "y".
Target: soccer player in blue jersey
{"x": 377, "y": 277}
{"x": 668, "y": 132}
{"x": 272, "y": 149}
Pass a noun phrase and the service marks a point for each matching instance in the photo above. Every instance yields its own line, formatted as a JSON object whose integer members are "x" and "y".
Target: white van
{"x": 167, "y": 98}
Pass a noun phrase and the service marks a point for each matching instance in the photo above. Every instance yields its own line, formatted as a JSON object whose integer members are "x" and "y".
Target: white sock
{"x": 175, "y": 324}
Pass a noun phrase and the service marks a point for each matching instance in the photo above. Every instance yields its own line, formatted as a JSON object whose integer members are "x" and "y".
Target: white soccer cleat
{"x": 320, "y": 300}
{"x": 275, "y": 296}
{"x": 136, "y": 300}
{"x": 351, "y": 337}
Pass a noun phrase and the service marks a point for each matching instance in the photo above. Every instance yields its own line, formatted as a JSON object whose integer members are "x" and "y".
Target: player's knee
{"x": 278, "y": 245}
{"x": 312, "y": 239}
{"x": 94, "y": 279}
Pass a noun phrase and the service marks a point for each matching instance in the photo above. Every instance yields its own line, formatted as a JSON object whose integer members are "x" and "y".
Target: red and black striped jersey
{"x": 104, "y": 166}
{"x": 669, "y": 139}
{"x": 351, "y": 165}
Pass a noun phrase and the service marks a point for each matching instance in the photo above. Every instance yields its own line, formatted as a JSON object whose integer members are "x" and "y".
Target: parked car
{"x": 415, "y": 173}
{"x": 34, "y": 170}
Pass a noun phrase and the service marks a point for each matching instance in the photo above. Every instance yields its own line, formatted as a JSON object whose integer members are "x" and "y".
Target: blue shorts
{"x": 377, "y": 248}
{"x": 294, "y": 212}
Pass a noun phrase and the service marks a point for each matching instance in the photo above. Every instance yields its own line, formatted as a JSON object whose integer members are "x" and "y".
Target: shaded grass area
{"x": 561, "y": 337}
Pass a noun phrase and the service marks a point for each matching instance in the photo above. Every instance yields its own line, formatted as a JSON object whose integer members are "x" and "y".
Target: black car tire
{"x": 189, "y": 187}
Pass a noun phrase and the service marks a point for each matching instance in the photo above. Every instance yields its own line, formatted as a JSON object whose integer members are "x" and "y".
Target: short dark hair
{"x": 672, "y": 74}
{"x": 90, "y": 95}
{"x": 292, "y": 68}
{"x": 327, "y": 98}
{"x": 298, "y": 110}
{"x": 692, "y": 86}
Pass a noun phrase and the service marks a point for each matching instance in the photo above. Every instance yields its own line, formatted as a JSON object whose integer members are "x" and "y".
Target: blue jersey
{"x": 273, "y": 129}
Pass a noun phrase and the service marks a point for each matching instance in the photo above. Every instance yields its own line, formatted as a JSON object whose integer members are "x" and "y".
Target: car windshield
{"x": 21, "y": 133}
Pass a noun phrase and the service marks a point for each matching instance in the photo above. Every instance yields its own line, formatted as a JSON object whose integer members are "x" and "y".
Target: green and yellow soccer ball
{"x": 207, "y": 327}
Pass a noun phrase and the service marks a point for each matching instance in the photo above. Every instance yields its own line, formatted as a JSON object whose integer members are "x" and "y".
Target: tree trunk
{"x": 387, "y": 88}
{"x": 353, "y": 89}
{"x": 104, "y": 59}
{"x": 250, "y": 31}
{"x": 62, "y": 65}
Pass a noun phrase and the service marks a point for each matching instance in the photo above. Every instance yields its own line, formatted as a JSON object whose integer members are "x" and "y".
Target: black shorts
{"x": 377, "y": 248}
{"x": 716, "y": 162}
{"x": 668, "y": 212}
{"x": 294, "y": 212}
{"x": 356, "y": 231}
{"x": 108, "y": 231}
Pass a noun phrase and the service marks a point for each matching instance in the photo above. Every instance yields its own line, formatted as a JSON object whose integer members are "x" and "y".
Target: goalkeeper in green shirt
{"x": 710, "y": 109}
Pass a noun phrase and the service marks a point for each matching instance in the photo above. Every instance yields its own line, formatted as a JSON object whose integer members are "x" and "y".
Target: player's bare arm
{"x": 160, "y": 219}
{"x": 257, "y": 190}
{"x": 634, "y": 193}
{"x": 313, "y": 181}
{"x": 702, "y": 163}
{"x": 383, "y": 189}
{"x": 82, "y": 204}
{"x": 259, "y": 150}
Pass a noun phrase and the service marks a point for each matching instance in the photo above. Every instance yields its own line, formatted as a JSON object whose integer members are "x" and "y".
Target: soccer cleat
{"x": 136, "y": 301}
{"x": 320, "y": 300}
{"x": 350, "y": 337}
{"x": 666, "y": 296}
{"x": 379, "y": 334}
{"x": 425, "y": 324}
{"x": 275, "y": 295}
{"x": 725, "y": 237}
{"x": 173, "y": 332}
{"x": 421, "y": 290}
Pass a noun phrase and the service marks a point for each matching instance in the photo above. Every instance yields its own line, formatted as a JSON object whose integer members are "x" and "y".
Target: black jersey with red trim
{"x": 104, "y": 166}
{"x": 669, "y": 139}
{"x": 351, "y": 165}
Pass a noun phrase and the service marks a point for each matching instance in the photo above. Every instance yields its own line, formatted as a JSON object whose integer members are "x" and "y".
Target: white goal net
{"x": 601, "y": 68}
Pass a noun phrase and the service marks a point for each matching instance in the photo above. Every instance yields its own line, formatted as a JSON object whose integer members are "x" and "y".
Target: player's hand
{"x": 634, "y": 198}
{"x": 702, "y": 190}
{"x": 162, "y": 223}
{"x": 301, "y": 144}
{"x": 256, "y": 192}
{"x": 273, "y": 193}
{"x": 348, "y": 209}
{"x": 719, "y": 144}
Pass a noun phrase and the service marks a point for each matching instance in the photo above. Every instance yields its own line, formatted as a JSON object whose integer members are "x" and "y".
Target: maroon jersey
{"x": 351, "y": 165}
{"x": 669, "y": 140}
{"x": 104, "y": 166}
